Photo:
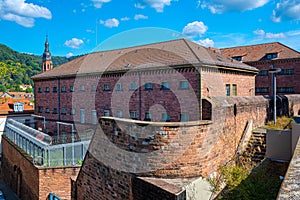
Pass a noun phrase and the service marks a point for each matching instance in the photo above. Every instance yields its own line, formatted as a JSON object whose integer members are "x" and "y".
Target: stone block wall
{"x": 130, "y": 148}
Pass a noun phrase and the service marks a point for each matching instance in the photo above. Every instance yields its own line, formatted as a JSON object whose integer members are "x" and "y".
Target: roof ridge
{"x": 251, "y": 45}
{"x": 138, "y": 46}
{"x": 192, "y": 49}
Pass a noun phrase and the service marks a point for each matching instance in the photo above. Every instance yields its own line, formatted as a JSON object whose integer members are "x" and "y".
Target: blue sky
{"x": 81, "y": 26}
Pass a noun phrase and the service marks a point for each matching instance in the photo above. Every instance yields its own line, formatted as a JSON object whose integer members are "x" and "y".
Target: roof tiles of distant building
{"x": 258, "y": 52}
{"x": 170, "y": 53}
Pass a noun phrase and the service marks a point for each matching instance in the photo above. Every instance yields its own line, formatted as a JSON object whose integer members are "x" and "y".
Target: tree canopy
{"x": 17, "y": 68}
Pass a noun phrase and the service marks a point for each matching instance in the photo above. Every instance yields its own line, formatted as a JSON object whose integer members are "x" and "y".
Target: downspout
{"x": 58, "y": 109}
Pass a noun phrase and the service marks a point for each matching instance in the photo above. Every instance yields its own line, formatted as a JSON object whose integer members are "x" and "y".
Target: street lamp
{"x": 72, "y": 137}
{"x": 38, "y": 116}
{"x": 274, "y": 71}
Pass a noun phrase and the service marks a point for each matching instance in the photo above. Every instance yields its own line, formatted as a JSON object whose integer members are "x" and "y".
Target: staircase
{"x": 256, "y": 148}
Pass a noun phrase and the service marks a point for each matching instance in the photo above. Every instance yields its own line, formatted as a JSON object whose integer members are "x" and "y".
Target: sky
{"x": 76, "y": 27}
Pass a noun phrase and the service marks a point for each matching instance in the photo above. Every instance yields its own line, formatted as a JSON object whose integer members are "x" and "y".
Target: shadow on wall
{"x": 286, "y": 105}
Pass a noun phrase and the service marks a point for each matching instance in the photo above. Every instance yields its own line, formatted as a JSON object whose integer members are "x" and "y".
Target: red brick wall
{"x": 97, "y": 181}
{"x": 214, "y": 82}
{"x": 282, "y": 80}
{"x": 31, "y": 182}
{"x": 174, "y": 101}
{"x": 56, "y": 180}
{"x": 18, "y": 171}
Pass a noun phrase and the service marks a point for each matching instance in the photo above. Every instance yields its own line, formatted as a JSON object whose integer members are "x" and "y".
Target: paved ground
{"x": 7, "y": 191}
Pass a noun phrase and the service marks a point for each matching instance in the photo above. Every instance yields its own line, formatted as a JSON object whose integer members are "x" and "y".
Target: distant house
{"x": 265, "y": 57}
{"x": 25, "y": 87}
{"x": 17, "y": 95}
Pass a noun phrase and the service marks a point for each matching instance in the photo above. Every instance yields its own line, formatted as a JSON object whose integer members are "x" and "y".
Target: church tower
{"x": 47, "y": 61}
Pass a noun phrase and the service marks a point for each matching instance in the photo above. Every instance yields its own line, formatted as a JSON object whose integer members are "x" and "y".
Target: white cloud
{"x": 194, "y": 29}
{"x": 74, "y": 43}
{"x": 110, "y": 23}
{"x": 139, "y": 5}
{"x": 206, "y": 42}
{"x": 221, "y": 6}
{"x": 269, "y": 35}
{"x": 274, "y": 35}
{"x": 125, "y": 19}
{"x": 69, "y": 55}
{"x": 140, "y": 16}
{"x": 158, "y": 5}
{"x": 90, "y": 31}
{"x": 286, "y": 10}
{"x": 22, "y": 13}
{"x": 259, "y": 32}
{"x": 98, "y": 3}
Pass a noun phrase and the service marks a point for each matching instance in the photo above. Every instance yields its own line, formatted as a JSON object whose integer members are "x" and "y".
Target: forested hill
{"x": 17, "y": 68}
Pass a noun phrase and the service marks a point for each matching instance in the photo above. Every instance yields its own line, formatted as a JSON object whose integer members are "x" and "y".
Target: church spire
{"x": 47, "y": 61}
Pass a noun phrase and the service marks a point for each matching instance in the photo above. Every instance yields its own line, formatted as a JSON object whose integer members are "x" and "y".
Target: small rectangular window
{"x": 262, "y": 90}
{"x": 40, "y": 90}
{"x": 40, "y": 109}
{"x": 94, "y": 117}
{"x": 289, "y": 71}
{"x": 54, "y": 89}
{"x": 106, "y": 87}
{"x": 183, "y": 85}
{"x": 72, "y": 111}
{"x": 119, "y": 114}
{"x": 82, "y": 117}
{"x": 184, "y": 117}
{"x": 63, "y": 137}
{"x": 132, "y": 114}
{"x": 165, "y": 86}
{"x": 234, "y": 90}
{"x": 54, "y": 110}
{"x": 47, "y": 110}
{"x": 289, "y": 90}
{"x": 270, "y": 56}
{"x": 63, "y": 111}
{"x": 263, "y": 73}
{"x": 237, "y": 58}
{"x": 165, "y": 117}
{"x": 148, "y": 116}
{"x": 148, "y": 86}
{"x": 82, "y": 88}
{"x": 119, "y": 87}
{"x": 63, "y": 89}
{"x": 94, "y": 88}
{"x": 227, "y": 89}
{"x": 106, "y": 113}
{"x": 72, "y": 89}
{"x": 133, "y": 86}
{"x": 47, "y": 89}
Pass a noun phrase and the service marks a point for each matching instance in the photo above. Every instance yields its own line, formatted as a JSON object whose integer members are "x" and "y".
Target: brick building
{"x": 167, "y": 81}
{"x": 266, "y": 56}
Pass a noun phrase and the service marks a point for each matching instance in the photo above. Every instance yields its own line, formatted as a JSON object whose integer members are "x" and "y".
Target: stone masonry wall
{"x": 172, "y": 150}
{"x": 31, "y": 182}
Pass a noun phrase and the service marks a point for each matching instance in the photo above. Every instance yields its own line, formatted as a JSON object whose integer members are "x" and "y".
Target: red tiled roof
{"x": 170, "y": 53}
{"x": 259, "y": 51}
{"x": 7, "y": 105}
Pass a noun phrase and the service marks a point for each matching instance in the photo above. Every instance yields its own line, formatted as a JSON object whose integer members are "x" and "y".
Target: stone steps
{"x": 256, "y": 148}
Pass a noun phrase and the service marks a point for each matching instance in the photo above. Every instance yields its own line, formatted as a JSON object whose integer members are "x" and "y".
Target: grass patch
{"x": 281, "y": 123}
{"x": 262, "y": 182}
